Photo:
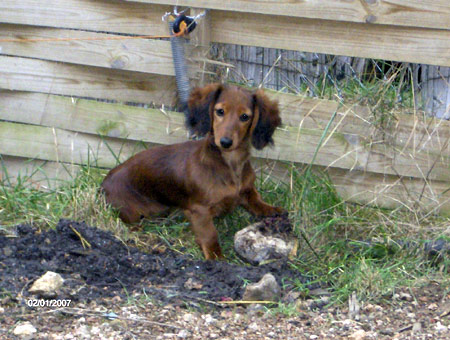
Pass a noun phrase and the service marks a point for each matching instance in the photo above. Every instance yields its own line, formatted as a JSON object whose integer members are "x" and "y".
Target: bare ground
{"x": 119, "y": 292}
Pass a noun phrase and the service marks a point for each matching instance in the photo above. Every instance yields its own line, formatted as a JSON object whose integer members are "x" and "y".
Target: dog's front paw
{"x": 275, "y": 211}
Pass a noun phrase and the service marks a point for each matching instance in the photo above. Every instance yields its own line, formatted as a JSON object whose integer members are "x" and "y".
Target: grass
{"x": 351, "y": 247}
{"x": 335, "y": 231}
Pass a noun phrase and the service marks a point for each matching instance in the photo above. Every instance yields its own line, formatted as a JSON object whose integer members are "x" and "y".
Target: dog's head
{"x": 233, "y": 115}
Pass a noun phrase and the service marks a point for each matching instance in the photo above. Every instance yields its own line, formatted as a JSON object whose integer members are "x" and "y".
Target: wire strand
{"x": 168, "y": 36}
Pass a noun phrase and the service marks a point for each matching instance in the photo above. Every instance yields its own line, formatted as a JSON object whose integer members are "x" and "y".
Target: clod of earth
{"x": 94, "y": 264}
{"x": 270, "y": 239}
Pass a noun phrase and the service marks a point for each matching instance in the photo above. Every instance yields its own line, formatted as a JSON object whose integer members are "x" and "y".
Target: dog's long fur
{"x": 205, "y": 177}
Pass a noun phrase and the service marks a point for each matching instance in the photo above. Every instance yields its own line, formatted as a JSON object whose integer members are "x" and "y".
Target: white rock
{"x": 253, "y": 326}
{"x": 188, "y": 317}
{"x": 82, "y": 332}
{"x": 209, "y": 319}
{"x": 47, "y": 284}
{"x": 267, "y": 289}
{"x": 183, "y": 334}
{"x": 417, "y": 327}
{"x": 25, "y": 330}
{"x": 256, "y": 245}
{"x": 358, "y": 335}
{"x": 440, "y": 327}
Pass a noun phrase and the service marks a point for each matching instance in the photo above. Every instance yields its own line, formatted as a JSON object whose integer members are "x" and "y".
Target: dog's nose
{"x": 226, "y": 142}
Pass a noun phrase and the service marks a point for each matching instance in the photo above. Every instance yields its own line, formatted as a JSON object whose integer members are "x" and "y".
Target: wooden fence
{"x": 51, "y": 121}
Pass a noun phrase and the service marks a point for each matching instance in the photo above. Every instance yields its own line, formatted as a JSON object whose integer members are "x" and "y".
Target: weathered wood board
{"x": 23, "y": 74}
{"x": 99, "y": 15}
{"x": 38, "y": 174}
{"x": 142, "y": 55}
{"x": 283, "y": 28}
{"x": 412, "y": 133}
{"x": 45, "y": 143}
{"x": 373, "y": 189}
{"x": 408, "y": 44}
{"x": 298, "y": 144}
{"x": 420, "y": 13}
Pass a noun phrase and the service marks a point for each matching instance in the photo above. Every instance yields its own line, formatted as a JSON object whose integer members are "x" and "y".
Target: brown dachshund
{"x": 204, "y": 177}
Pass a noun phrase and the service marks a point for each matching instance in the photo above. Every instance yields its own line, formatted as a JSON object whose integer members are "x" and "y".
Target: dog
{"x": 206, "y": 177}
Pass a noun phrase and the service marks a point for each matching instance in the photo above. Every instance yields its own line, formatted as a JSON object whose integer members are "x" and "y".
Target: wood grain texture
{"x": 89, "y": 116}
{"x": 416, "y": 45}
{"x": 407, "y": 133}
{"x": 38, "y": 174}
{"x": 95, "y": 15}
{"x": 342, "y": 149}
{"x": 45, "y": 143}
{"x": 373, "y": 189}
{"x": 142, "y": 55}
{"x": 420, "y": 13}
{"x": 22, "y": 74}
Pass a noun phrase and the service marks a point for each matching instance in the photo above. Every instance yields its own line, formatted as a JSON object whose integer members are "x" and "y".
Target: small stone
{"x": 267, "y": 289}
{"x": 188, "y": 318}
{"x": 7, "y": 251}
{"x": 255, "y": 310}
{"x": 291, "y": 297}
{"x": 209, "y": 319}
{"x": 432, "y": 306}
{"x": 25, "y": 330}
{"x": 313, "y": 336}
{"x": 82, "y": 332}
{"x": 253, "y": 326}
{"x": 440, "y": 327}
{"x": 47, "y": 284}
{"x": 358, "y": 335}
{"x": 417, "y": 327}
{"x": 405, "y": 296}
{"x": 183, "y": 334}
{"x": 191, "y": 284}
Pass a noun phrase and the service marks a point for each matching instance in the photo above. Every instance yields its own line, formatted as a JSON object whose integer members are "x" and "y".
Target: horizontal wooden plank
{"x": 408, "y": 44}
{"x": 410, "y": 133}
{"x": 88, "y": 116}
{"x": 373, "y": 189}
{"x": 420, "y": 13}
{"x": 297, "y": 144}
{"x": 45, "y": 143}
{"x": 99, "y": 15}
{"x": 24, "y": 74}
{"x": 142, "y": 55}
{"x": 354, "y": 152}
{"x": 391, "y": 191}
{"x": 38, "y": 174}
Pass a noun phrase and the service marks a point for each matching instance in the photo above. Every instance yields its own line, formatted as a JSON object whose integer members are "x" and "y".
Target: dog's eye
{"x": 220, "y": 112}
{"x": 244, "y": 117}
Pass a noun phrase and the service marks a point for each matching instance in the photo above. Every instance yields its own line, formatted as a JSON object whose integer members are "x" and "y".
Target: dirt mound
{"x": 96, "y": 264}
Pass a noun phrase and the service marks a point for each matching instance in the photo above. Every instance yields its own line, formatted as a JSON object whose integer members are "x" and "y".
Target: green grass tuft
{"x": 350, "y": 247}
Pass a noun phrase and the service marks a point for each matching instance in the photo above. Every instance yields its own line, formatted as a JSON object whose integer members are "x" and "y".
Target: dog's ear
{"x": 201, "y": 103}
{"x": 265, "y": 120}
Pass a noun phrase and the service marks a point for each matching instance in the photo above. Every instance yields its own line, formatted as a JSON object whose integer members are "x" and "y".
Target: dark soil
{"x": 279, "y": 224}
{"x": 105, "y": 266}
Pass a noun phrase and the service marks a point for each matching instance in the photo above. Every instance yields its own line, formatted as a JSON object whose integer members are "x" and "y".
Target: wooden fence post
{"x": 201, "y": 41}
{"x": 432, "y": 85}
